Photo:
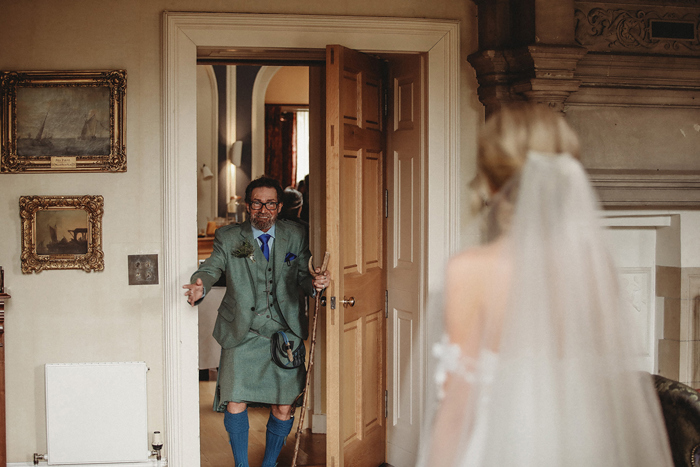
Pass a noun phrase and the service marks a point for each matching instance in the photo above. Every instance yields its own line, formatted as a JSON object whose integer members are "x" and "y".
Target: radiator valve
{"x": 157, "y": 444}
{"x": 40, "y": 457}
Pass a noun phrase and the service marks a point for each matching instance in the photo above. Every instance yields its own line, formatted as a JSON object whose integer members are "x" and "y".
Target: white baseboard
{"x": 398, "y": 455}
{"x": 149, "y": 463}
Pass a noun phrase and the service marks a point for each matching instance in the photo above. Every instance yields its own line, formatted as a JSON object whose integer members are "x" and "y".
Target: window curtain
{"x": 280, "y": 145}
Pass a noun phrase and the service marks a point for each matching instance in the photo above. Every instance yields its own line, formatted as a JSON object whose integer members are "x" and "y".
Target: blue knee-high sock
{"x": 237, "y": 427}
{"x": 277, "y": 431}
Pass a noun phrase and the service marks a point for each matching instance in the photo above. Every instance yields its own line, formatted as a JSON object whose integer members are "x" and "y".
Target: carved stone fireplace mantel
{"x": 536, "y": 73}
{"x": 625, "y": 74}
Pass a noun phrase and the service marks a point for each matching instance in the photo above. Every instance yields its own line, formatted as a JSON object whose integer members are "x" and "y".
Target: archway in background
{"x": 207, "y": 138}
{"x": 258, "y": 119}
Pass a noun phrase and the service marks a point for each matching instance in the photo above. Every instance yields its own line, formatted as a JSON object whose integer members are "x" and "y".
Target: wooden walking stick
{"x": 305, "y": 392}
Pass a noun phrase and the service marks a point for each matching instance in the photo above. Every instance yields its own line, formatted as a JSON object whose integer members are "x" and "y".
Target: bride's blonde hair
{"x": 504, "y": 143}
{"x": 511, "y": 133}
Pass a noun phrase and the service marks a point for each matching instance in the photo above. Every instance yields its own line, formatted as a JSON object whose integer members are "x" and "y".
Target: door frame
{"x": 183, "y": 32}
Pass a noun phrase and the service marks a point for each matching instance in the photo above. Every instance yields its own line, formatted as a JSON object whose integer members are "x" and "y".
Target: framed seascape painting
{"x": 62, "y": 121}
{"x": 61, "y": 232}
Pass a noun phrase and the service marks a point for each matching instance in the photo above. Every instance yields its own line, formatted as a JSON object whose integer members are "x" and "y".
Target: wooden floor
{"x": 215, "y": 450}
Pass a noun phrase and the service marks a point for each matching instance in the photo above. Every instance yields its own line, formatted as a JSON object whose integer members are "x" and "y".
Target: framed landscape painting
{"x": 62, "y": 121}
{"x": 61, "y": 232}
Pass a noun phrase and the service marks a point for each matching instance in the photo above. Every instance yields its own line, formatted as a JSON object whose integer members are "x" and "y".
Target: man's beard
{"x": 262, "y": 221}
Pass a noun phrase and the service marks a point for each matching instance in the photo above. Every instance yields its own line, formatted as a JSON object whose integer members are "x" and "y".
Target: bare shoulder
{"x": 469, "y": 275}
{"x": 464, "y": 274}
{"x": 474, "y": 261}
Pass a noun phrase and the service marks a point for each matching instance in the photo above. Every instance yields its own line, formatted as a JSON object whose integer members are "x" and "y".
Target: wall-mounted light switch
{"x": 143, "y": 269}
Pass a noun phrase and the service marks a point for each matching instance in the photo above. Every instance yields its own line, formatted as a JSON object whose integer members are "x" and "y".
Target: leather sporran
{"x": 284, "y": 353}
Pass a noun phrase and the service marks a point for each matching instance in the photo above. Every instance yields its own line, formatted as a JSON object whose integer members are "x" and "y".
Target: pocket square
{"x": 289, "y": 257}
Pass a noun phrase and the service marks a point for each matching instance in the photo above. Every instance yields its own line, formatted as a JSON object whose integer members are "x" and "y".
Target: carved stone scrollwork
{"x": 492, "y": 71}
{"x": 630, "y": 30}
{"x": 536, "y": 73}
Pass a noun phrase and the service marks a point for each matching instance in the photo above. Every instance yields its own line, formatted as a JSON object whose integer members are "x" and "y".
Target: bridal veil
{"x": 561, "y": 387}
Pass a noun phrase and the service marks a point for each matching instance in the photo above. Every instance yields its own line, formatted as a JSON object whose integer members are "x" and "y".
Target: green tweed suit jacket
{"x": 289, "y": 260}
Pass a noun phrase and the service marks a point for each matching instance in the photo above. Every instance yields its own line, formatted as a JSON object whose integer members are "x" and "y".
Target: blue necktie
{"x": 265, "y": 249}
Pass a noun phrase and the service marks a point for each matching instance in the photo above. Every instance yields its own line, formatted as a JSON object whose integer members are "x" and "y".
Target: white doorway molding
{"x": 183, "y": 33}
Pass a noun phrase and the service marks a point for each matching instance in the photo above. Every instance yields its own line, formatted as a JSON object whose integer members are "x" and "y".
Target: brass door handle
{"x": 348, "y": 301}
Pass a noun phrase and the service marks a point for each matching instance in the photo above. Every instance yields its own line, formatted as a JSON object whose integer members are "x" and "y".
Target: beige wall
{"x": 72, "y": 316}
{"x": 290, "y": 85}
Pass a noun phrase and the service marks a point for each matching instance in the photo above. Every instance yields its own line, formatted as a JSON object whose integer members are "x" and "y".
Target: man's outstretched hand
{"x": 194, "y": 291}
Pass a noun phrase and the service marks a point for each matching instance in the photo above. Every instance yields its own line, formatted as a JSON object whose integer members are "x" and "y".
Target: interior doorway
{"x": 225, "y": 91}
{"x": 184, "y": 33}
{"x": 390, "y": 103}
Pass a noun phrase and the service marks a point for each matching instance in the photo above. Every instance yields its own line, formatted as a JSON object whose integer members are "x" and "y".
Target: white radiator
{"x": 96, "y": 413}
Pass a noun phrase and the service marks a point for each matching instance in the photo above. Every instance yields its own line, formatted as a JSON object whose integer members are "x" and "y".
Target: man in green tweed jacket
{"x": 264, "y": 262}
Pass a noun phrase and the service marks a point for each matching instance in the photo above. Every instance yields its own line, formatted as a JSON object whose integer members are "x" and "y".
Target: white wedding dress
{"x": 450, "y": 360}
{"x": 560, "y": 387}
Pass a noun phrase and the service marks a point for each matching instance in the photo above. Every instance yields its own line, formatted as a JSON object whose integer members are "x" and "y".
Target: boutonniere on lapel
{"x": 245, "y": 249}
{"x": 289, "y": 257}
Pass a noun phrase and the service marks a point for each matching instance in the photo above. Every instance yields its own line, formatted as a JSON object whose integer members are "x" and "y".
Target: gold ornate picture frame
{"x": 61, "y": 232}
{"x": 62, "y": 121}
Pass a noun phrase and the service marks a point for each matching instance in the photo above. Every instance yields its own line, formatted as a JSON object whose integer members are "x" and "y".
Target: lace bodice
{"x": 450, "y": 360}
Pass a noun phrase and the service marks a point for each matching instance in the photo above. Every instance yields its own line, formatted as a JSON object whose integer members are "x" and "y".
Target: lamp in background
{"x": 235, "y": 153}
{"x": 206, "y": 172}
{"x": 234, "y": 156}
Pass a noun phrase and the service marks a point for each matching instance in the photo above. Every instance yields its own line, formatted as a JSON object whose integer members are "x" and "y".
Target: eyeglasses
{"x": 270, "y": 205}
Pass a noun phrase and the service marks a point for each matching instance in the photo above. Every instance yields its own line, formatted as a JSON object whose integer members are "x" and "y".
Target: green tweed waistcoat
{"x": 264, "y": 308}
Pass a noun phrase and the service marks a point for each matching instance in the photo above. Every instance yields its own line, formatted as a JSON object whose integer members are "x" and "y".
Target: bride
{"x": 537, "y": 365}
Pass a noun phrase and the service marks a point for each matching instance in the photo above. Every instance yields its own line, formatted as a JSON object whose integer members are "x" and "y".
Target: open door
{"x": 356, "y": 238}
{"x": 406, "y": 150}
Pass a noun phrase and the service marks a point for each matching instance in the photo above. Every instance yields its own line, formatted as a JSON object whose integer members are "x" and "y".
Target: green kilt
{"x": 248, "y": 374}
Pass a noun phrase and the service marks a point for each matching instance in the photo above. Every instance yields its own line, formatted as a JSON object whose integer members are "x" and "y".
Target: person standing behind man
{"x": 293, "y": 202}
{"x": 264, "y": 262}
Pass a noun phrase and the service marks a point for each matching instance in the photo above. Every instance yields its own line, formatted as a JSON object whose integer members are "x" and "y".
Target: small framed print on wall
{"x": 61, "y": 232}
{"x": 62, "y": 121}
